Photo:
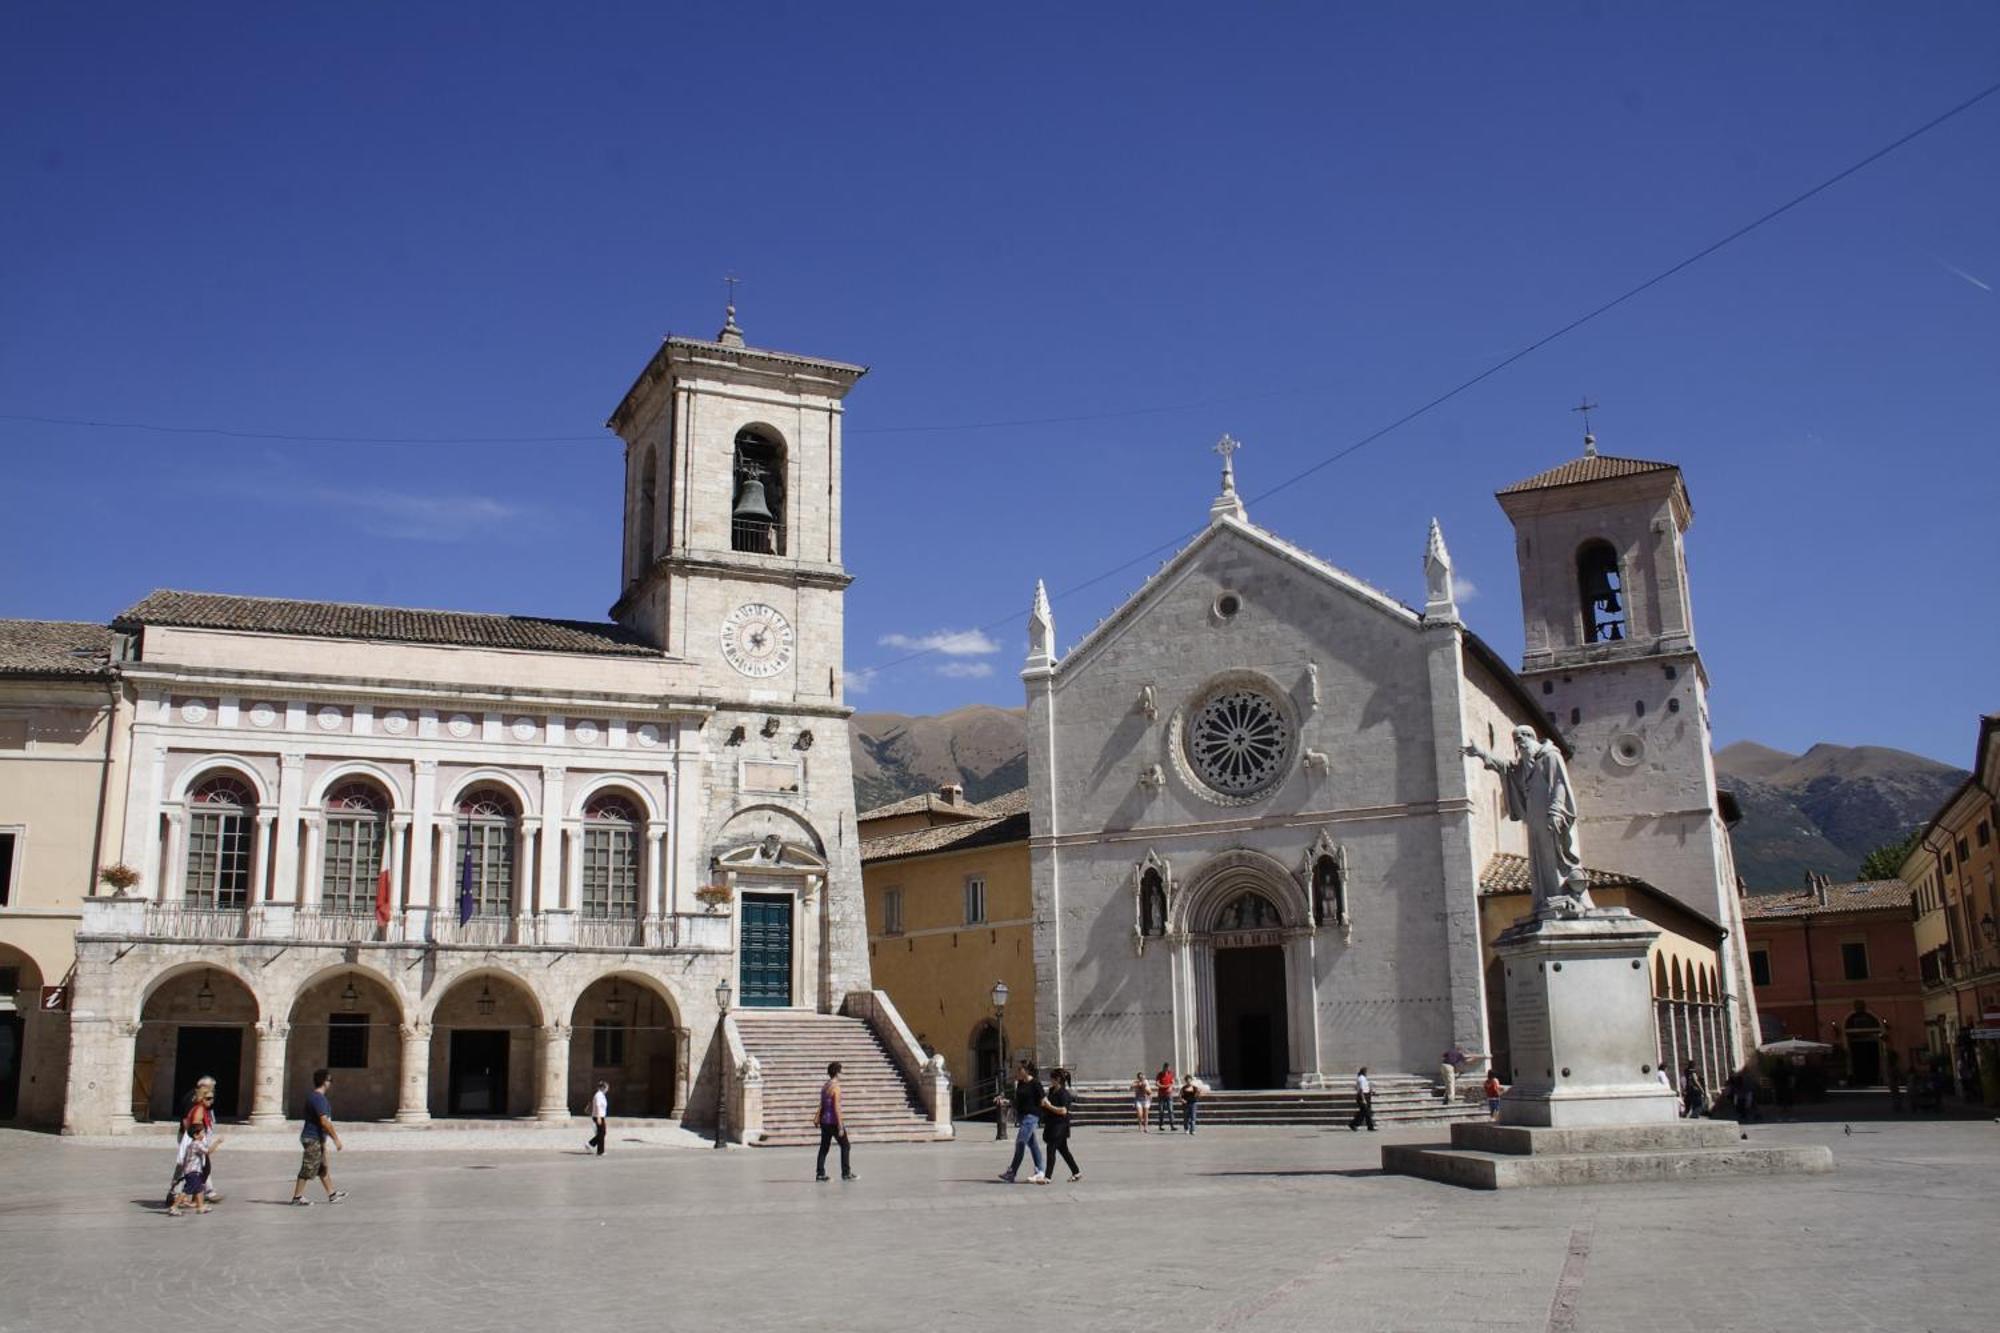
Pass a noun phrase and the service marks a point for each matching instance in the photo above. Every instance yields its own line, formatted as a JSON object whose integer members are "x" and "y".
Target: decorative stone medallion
{"x": 585, "y": 732}
{"x": 329, "y": 718}
{"x": 647, "y": 735}
{"x": 193, "y": 710}
{"x": 460, "y": 725}
{"x": 395, "y": 722}
{"x": 262, "y": 715}
{"x": 524, "y": 729}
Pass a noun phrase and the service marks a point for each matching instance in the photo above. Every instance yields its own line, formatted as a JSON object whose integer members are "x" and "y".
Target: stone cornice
{"x": 1212, "y": 828}
{"x": 452, "y": 697}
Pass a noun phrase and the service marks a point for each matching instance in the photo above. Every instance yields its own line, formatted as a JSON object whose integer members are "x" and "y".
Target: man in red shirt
{"x": 1165, "y": 1086}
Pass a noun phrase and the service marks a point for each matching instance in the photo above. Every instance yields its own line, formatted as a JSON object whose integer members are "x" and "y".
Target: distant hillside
{"x": 1823, "y": 810}
{"x": 981, "y": 748}
{"x": 1826, "y": 809}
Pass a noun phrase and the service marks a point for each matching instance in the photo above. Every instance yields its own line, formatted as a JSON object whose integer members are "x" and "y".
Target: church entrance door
{"x": 1250, "y": 1025}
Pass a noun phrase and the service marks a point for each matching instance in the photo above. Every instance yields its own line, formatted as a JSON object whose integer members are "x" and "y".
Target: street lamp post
{"x": 721, "y": 1060}
{"x": 1000, "y": 1092}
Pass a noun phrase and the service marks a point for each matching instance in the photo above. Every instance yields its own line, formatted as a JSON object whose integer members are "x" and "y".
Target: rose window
{"x": 1237, "y": 741}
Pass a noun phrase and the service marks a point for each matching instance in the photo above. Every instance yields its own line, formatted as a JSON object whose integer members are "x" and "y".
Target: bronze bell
{"x": 1597, "y": 587}
{"x": 750, "y": 502}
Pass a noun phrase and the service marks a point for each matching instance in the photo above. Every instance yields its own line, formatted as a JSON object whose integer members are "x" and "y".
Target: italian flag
{"x": 384, "y": 905}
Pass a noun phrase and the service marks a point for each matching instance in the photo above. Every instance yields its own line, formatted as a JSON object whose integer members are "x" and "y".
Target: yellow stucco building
{"x": 60, "y": 741}
{"x": 949, "y": 916}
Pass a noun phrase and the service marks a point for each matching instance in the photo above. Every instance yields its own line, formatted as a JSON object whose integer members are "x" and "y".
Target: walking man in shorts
{"x": 313, "y": 1134}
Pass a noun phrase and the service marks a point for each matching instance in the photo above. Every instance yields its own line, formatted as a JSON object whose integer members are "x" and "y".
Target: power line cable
{"x": 1502, "y": 364}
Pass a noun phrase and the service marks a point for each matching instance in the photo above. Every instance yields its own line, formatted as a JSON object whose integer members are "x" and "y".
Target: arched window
{"x": 1249, "y": 911}
{"x": 1602, "y": 589}
{"x": 489, "y": 830}
{"x": 757, "y": 497}
{"x": 357, "y": 825}
{"x": 1152, "y": 904}
{"x": 216, "y": 871}
{"x": 1329, "y": 896}
{"x": 610, "y": 859}
{"x": 649, "y": 484}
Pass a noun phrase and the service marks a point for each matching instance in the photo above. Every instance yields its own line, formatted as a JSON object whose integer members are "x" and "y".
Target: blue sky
{"x": 1123, "y": 230}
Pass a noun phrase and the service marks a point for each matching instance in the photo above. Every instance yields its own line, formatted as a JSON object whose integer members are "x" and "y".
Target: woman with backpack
{"x": 1056, "y": 1105}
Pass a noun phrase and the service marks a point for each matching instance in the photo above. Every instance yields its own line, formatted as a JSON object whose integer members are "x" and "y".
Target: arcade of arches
{"x": 483, "y": 1048}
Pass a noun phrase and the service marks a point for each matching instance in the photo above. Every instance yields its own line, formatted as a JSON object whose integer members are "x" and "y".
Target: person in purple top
{"x": 832, "y": 1125}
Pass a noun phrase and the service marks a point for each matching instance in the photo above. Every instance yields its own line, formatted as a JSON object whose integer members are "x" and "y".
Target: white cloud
{"x": 860, "y": 682}
{"x": 950, "y": 642}
{"x": 435, "y": 518}
{"x": 966, "y": 670}
{"x": 1463, "y": 589}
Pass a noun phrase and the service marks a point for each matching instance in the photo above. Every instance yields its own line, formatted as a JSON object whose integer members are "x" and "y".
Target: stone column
{"x": 524, "y": 882}
{"x": 267, "y": 1091}
{"x": 656, "y": 833}
{"x": 99, "y": 1099}
{"x": 291, "y": 797}
{"x": 554, "y": 1064}
{"x": 1302, "y": 982}
{"x": 309, "y": 874}
{"x": 399, "y": 840}
{"x": 260, "y": 859}
{"x": 413, "y": 1090}
{"x": 173, "y": 861}
{"x": 423, "y": 818}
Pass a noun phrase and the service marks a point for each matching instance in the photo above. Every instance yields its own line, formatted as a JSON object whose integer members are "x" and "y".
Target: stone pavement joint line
{"x": 1249, "y": 1311}
{"x": 1569, "y": 1287}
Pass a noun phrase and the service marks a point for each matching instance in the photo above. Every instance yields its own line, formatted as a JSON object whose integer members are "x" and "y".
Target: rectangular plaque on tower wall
{"x": 770, "y": 775}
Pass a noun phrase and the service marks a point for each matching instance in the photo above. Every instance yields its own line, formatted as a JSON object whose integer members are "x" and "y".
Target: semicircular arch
{"x": 259, "y": 1002}
{"x": 212, "y": 765}
{"x": 539, "y": 1006}
{"x": 753, "y": 822}
{"x": 379, "y": 978}
{"x": 352, "y": 768}
{"x": 629, "y": 783}
{"x": 652, "y": 985}
{"x": 1216, "y": 882}
{"x": 524, "y": 801}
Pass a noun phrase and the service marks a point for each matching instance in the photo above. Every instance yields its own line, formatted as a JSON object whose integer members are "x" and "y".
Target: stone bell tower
{"x": 732, "y": 566}
{"x": 1610, "y": 653}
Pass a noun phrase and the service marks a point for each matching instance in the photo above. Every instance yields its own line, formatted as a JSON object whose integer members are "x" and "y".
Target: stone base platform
{"x": 1489, "y": 1156}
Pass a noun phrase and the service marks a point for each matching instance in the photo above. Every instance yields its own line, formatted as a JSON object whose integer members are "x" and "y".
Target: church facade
{"x": 1258, "y": 843}
{"x": 477, "y": 863}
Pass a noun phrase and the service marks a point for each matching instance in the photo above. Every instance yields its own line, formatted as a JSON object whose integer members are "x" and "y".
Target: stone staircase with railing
{"x": 792, "y": 1050}
{"x": 1400, "y": 1099}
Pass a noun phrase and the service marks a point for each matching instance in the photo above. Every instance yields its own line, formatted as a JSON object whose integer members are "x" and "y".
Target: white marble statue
{"x": 1539, "y": 795}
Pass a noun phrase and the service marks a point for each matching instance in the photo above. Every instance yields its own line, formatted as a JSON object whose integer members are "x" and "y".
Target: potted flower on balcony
{"x": 714, "y": 897}
{"x": 119, "y": 876}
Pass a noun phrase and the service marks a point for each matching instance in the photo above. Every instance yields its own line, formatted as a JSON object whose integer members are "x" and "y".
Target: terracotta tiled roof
{"x": 395, "y": 624}
{"x": 54, "y": 648}
{"x": 927, "y": 803}
{"x": 1010, "y": 824}
{"x": 1590, "y": 467}
{"x": 1508, "y": 873}
{"x": 1868, "y": 895}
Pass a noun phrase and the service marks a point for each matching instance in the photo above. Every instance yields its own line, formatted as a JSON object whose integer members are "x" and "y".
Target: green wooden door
{"x": 767, "y": 950}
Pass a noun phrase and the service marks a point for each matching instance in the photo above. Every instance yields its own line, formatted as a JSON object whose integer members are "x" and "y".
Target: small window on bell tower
{"x": 1603, "y": 593}
{"x": 757, "y": 511}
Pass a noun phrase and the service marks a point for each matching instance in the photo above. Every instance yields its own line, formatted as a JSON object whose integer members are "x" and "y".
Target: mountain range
{"x": 1823, "y": 810}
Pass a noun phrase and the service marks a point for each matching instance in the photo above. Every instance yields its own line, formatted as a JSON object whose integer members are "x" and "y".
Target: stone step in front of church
{"x": 794, "y": 1049}
{"x": 1399, "y": 1099}
{"x": 1488, "y": 1156}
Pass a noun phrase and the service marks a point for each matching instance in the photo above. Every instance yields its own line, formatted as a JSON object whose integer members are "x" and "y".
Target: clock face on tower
{"x": 757, "y": 640}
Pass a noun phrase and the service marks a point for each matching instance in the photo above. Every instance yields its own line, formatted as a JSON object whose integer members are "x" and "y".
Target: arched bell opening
{"x": 194, "y": 1024}
{"x": 757, "y": 509}
{"x": 625, "y": 1032}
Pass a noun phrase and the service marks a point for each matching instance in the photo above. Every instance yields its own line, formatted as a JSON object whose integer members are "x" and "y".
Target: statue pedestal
{"x": 1580, "y": 1023}
{"x": 1586, "y": 1106}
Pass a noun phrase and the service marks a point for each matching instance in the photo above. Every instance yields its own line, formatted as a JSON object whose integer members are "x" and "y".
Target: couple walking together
{"x": 1047, "y": 1109}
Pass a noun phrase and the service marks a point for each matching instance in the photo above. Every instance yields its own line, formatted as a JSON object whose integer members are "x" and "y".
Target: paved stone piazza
{"x": 495, "y": 1228}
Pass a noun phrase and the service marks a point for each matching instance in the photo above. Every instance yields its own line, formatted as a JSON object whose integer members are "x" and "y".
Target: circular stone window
{"x": 1628, "y": 749}
{"x": 1227, "y": 605}
{"x": 1238, "y": 741}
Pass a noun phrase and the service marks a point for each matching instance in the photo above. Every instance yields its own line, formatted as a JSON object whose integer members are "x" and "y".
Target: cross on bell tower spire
{"x": 1586, "y": 407}
{"x": 731, "y": 336}
{"x": 1228, "y": 504}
